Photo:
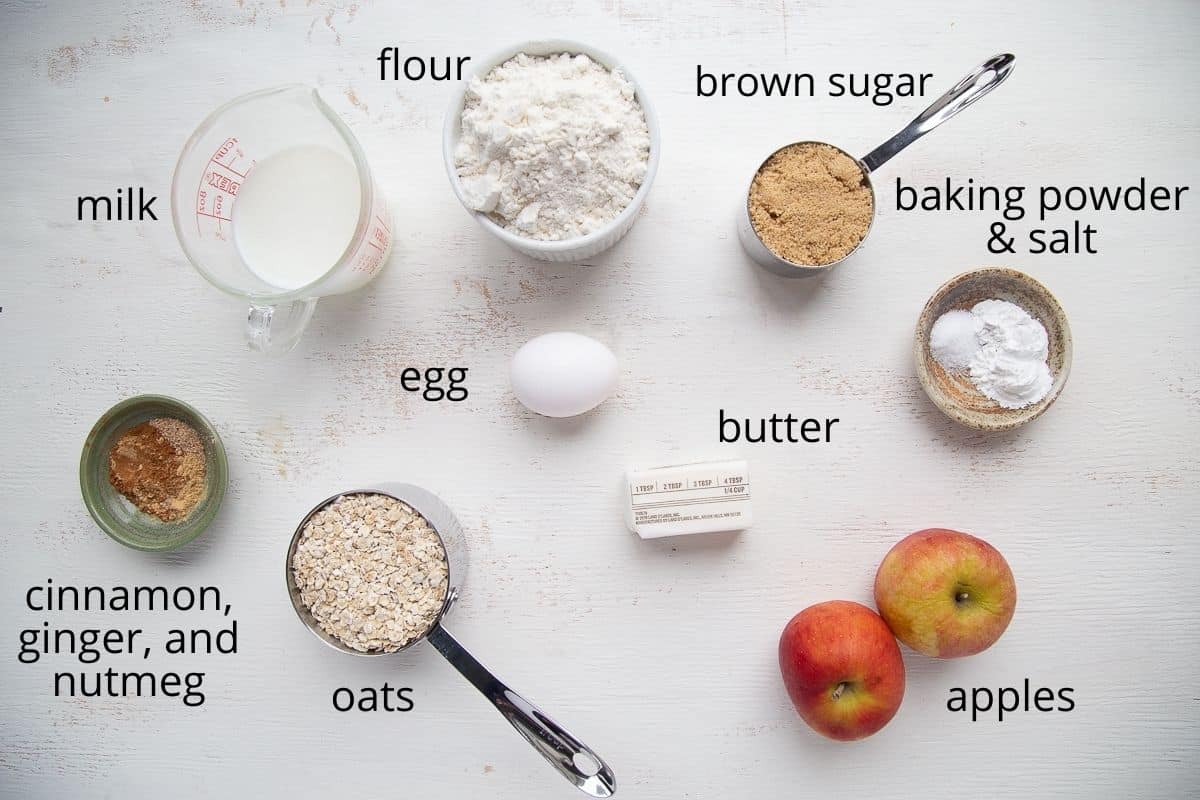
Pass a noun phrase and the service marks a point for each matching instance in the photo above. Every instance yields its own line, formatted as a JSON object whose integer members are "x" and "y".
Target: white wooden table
{"x": 661, "y": 655}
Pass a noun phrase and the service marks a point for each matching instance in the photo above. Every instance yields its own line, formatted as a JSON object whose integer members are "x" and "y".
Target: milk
{"x": 295, "y": 215}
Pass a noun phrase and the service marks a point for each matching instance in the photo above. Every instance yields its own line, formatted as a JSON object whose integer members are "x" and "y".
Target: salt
{"x": 954, "y": 340}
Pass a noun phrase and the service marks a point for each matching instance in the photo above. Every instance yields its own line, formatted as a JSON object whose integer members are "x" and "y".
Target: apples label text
{"x": 1007, "y": 700}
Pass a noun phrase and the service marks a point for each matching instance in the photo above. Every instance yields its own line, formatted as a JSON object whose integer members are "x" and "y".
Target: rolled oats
{"x": 371, "y": 571}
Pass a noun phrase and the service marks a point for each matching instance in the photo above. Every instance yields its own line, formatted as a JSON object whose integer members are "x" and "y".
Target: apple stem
{"x": 963, "y": 597}
{"x": 837, "y": 692}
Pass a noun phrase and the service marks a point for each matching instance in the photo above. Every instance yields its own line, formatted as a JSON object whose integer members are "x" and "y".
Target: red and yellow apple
{"x": 944, "y": 593}
{"x": 842, "y": 669}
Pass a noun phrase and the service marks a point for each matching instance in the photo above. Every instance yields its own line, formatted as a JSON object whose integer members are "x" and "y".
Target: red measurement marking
{"x": 377, "y": 247}
{"x": 220, "y": 183}
{"x": 383, "y": 224}
{"x": 230, "y": 168}
{"x": 225, "y": 147}
{"x": 368, "y": 262}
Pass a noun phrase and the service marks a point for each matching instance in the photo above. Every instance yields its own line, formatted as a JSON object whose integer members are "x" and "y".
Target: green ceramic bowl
{"x": 119, "y": 518}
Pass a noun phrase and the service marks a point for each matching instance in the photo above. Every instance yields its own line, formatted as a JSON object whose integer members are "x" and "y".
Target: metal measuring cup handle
{"x": 961, "y": 95}
{"x": 549, "y": 738}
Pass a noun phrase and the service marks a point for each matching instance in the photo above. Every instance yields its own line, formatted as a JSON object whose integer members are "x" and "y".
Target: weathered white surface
{"x": 659, "y": 654}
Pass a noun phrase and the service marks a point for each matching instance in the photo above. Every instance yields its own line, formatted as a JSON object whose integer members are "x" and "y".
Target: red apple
{"x": 842, "y": 669}
{"x": 944, "y": 593}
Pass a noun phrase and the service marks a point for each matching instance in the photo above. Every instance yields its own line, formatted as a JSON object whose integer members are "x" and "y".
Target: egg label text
{"x": 436, "y": 383}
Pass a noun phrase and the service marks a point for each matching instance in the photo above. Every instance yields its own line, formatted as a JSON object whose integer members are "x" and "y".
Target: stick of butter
{"x": 689, "y": 498}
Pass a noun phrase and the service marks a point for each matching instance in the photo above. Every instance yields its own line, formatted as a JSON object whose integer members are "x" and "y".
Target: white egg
{"x": 563, "y": 374}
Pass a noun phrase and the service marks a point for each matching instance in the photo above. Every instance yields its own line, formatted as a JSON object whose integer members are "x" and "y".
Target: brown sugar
{"x": 160, "y": 467}
{"x": 810, "y": 203}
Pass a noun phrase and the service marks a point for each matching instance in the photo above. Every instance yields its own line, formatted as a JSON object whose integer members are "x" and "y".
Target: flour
{"x": 552, "y": 147}
{"x": 1001, "y": 346}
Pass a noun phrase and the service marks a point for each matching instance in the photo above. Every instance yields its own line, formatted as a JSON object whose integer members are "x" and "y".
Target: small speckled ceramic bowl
{"x": 119, "y": 518}
{"x": 954, "y": 394}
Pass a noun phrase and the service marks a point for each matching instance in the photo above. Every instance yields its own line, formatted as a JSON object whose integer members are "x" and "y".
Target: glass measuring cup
{"x": 973, "y": 86}
{"x": 210, "y": 175}
{"x": 574, "y": 760}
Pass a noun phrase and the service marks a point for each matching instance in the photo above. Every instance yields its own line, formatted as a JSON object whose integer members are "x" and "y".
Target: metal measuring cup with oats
{"x": 371, "y": 571}
{"x": 375, "y": 571}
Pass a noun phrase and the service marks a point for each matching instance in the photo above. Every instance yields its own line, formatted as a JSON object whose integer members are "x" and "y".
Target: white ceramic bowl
{"x": 565, "y": 250}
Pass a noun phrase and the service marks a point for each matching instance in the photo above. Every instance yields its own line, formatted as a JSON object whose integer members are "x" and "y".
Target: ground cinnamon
{"x": 810, "y": 204}
{"x": 160, "y": 467}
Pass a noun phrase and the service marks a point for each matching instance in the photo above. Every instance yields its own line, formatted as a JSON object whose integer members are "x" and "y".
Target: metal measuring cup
{"x": 577, "y": 762}
{"x": 976, "y": 84}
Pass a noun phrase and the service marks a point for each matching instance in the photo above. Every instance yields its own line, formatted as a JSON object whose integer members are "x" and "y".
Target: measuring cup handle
{"x": 550, "y": 739}
{"x": 961, "y": 95}
{"x": 275, "y": 330}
